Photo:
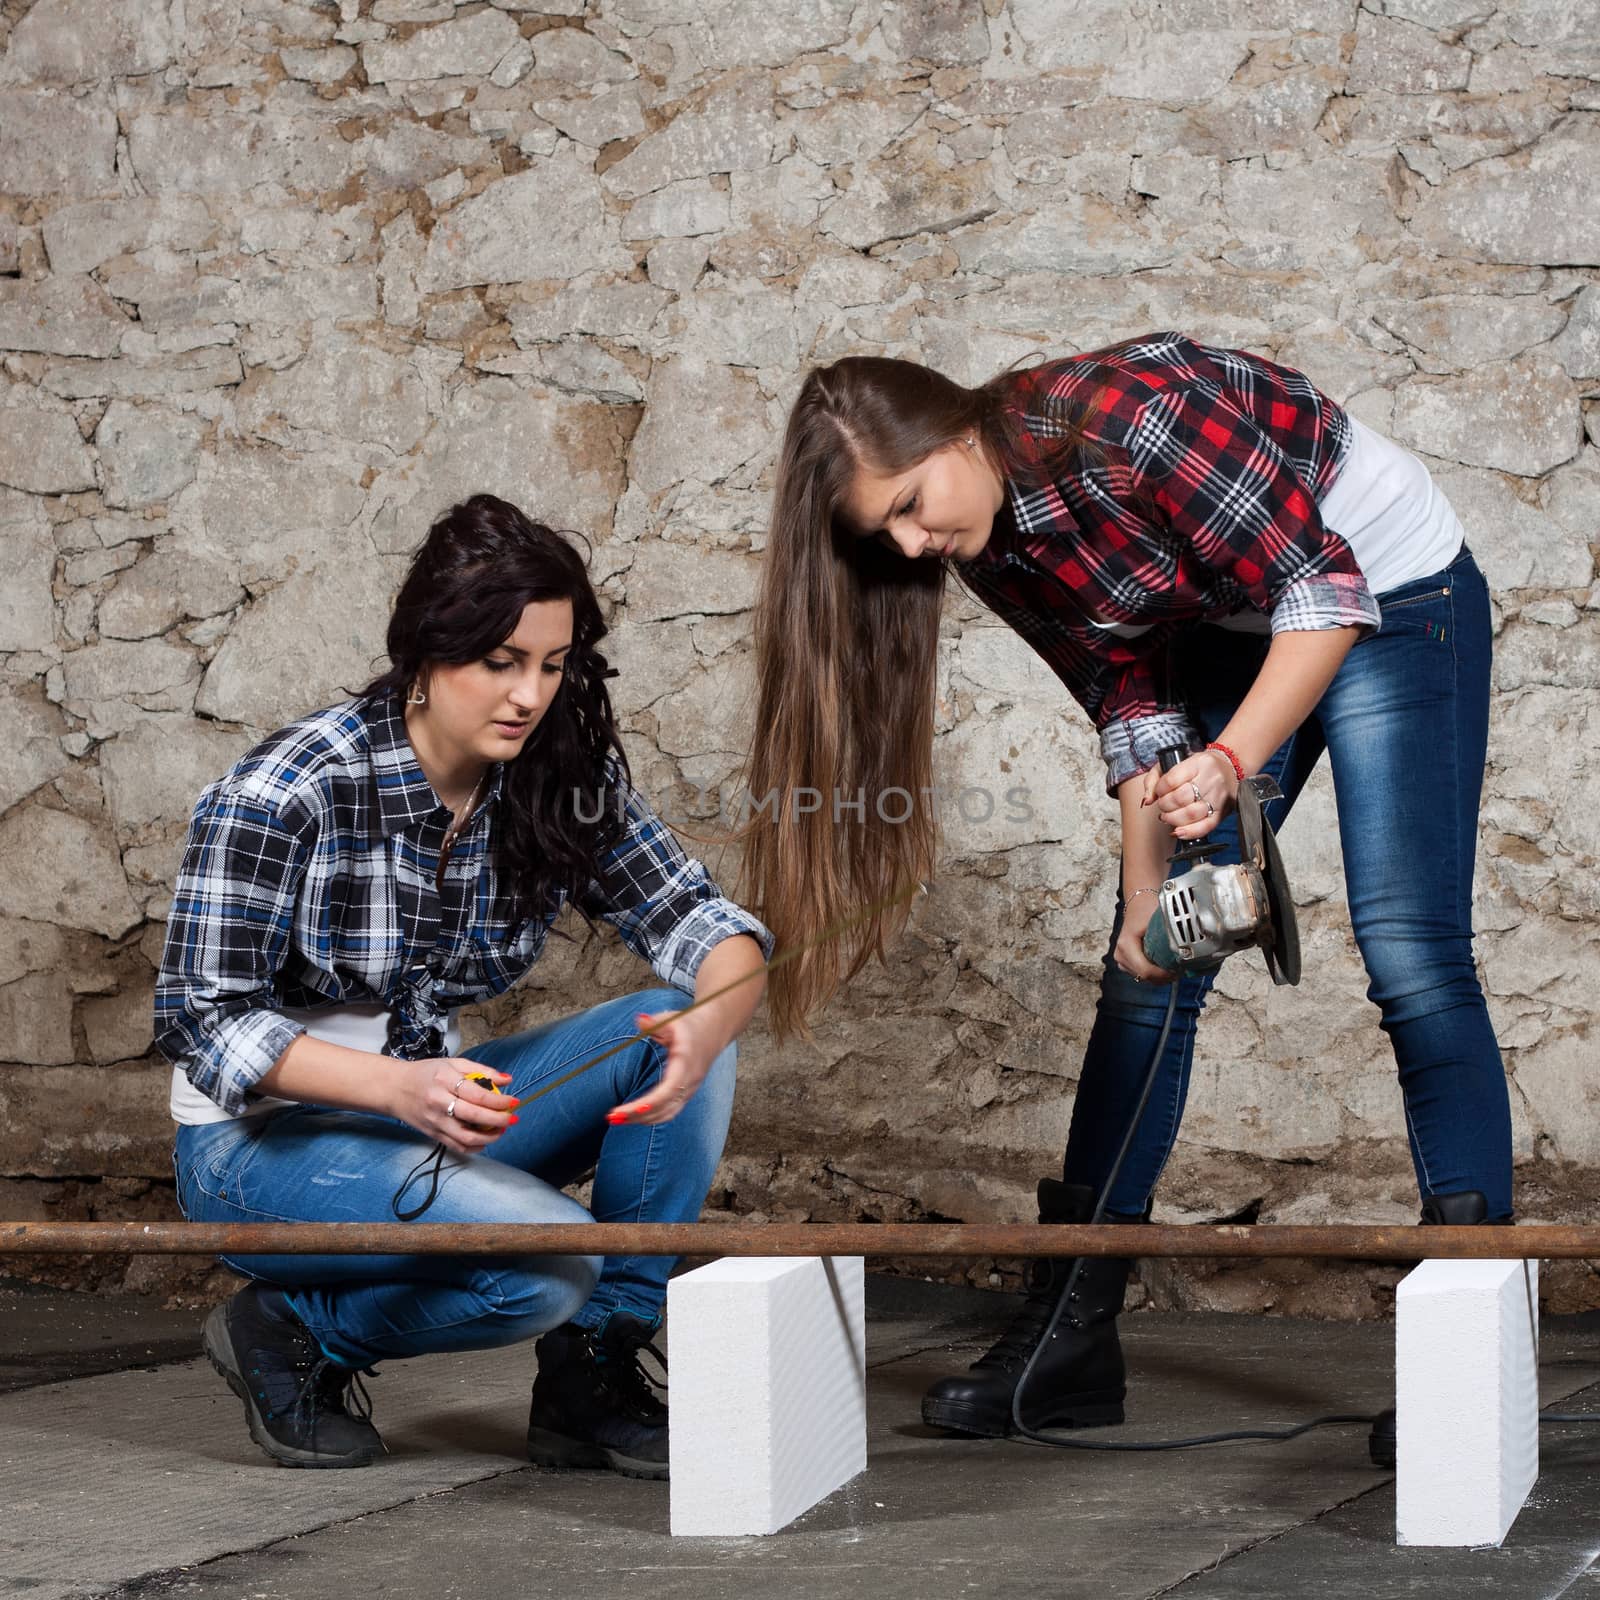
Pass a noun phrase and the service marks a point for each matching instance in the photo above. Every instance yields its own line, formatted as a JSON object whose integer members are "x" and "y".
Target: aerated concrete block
{"x": 1466, "y": 1400}
{"x": 769, "y": 1387}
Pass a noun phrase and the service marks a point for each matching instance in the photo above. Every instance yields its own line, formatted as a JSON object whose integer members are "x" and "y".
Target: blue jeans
{"x": 1405, "y": 725}
{"x": 308, "y": 1164}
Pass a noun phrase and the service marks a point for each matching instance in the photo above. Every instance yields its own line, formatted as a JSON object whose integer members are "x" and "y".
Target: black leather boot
{"x": 1464, "y": 1210}
{"x": 1078, "y": 1382}
{"x": 594, "y": 1403}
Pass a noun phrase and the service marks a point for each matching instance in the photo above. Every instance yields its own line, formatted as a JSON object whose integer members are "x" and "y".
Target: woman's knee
{"x": 525, "y": 1298}
{"x": 1411, "y": 978}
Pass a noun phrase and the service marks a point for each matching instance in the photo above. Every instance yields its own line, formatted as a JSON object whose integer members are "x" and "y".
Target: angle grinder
{"x": 1205, "y": 912}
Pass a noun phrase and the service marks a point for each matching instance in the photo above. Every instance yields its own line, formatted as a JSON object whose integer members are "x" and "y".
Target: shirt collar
{"x": 1048, "y": 520}
{"x": 404, "y": 794}
{"x": 1003, "y": 538}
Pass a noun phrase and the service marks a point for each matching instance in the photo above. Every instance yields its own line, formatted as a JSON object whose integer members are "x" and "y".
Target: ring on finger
{"x": 450, "y": 1110}
{"x": 1199, "y": 799}
{"x": 455, "y": 1088}
{"x": 1211, "y": 810}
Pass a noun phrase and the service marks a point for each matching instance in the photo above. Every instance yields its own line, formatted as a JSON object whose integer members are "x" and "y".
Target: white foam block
{"x": 769, "y": 1390}
{"x": 1466, "y": 1400}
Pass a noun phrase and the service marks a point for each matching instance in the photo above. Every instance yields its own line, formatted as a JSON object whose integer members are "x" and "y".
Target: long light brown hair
{"x": 846, "y": 647}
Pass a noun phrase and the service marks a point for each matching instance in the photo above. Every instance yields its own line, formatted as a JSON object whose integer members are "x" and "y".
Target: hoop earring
{"x": 416, "y": 697}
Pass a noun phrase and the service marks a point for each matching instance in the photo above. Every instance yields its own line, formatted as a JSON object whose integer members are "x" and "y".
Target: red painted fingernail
{"x": 614, "y": 1117}
{"x": 515, "y": 1119}
{"x": 643, "y": 1108}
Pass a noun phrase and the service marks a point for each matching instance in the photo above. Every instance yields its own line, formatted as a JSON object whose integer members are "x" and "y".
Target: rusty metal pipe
{"x": 1337, "y": 1242}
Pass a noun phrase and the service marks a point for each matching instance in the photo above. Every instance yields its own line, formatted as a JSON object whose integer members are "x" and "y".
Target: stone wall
{"x": 278, "y": 281}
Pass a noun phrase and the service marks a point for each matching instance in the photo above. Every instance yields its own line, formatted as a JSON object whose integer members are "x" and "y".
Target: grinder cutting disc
{"x": 1281, "y": 942}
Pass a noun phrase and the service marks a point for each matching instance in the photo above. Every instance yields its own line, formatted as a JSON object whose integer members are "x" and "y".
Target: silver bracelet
{"x": 1137, "y": 892}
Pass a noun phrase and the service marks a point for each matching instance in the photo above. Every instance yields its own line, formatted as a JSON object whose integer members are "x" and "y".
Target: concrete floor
{"x": 125, "y": 1469}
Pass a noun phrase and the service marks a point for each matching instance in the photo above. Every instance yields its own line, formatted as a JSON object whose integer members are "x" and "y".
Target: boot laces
{"x": 305, "y": 1387}
{"x": 1011, "y": 1350}
{"x": 617, "y": 1361}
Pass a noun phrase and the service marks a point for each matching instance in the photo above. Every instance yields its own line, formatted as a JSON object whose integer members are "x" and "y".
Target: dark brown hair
{"x": 482, "y": 562}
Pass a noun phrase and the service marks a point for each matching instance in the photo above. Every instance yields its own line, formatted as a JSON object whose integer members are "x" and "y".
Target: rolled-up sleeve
{"x": 1226, "y": 487}
{"x": 1331, "y": 600}
{"x": 230, "y": 925}
{"x": 661, "y": 901}
{"x": 1131, "y": 745}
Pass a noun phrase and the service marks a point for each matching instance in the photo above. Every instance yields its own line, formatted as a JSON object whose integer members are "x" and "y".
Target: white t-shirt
{"x": 1385, "y": 505}
{"x": 358, "y": 1027}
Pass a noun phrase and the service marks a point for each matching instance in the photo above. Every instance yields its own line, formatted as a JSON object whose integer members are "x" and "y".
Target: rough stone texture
{"x": 730, "y": 129}
{"x": 110, "y": 683}
{"x": 117, "y": 1127}
{"x": 316, "y": 631}
{"x": 61, "y": 315}
{"x": 1578, "y": 348}
{"x": 149, "y": 452}
{"x": 1521, "y": 208}
{"x": 30, "y": 734}
{"x": 176, "y": 154}
{"x": 1457, "y": 333}
{"x": 173, "y": 584}
{"x": 700, "y": 422}
{"x": 1404, "y": 58}
{"x": 119, "y": 1027}
{"x": 52, "y": 144}
{"x": 471, "y": 47}
{"x": 60, "y": 869}
{"x": 678, "y": 211}
{"x": 539, "y": 224}
{"x": 279, "y": 282}
{"x": 1479, "y": 419}
{"x": 42, "y": 451}
{"x": 27, "y": 565}
{"x": 497, "y": 437}
{"x": 599, "y": 119}
{"x": 338, "y": 390}
{"x": 80, "y": 41}
{"x": 36, "y": 1019}
{"x": 1525, "y": 548}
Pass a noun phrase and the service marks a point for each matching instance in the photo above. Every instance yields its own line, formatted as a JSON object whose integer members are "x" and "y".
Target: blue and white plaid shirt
{"x": 308, "y": 880}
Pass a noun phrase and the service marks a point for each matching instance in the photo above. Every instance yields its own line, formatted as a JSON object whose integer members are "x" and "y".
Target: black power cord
{"x": 1275, "y": 1435}
{"x": 1060, "y": 1441}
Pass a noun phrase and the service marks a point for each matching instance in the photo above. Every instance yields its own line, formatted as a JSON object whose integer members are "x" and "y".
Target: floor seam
{"x": 1270, "y": 1538}
{"x": 138, "y": 1585}
{"x": 953, "y": 1346}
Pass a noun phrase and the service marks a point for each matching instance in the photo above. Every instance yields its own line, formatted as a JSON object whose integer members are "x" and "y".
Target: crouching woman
{"x": 349, "y": 885}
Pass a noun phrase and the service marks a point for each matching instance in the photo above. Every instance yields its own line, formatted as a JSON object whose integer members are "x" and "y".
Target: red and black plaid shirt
{"x": 1198, "y": 501}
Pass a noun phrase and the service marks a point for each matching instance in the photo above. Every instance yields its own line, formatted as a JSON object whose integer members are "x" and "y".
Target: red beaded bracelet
{"x": 1238, "y": 766}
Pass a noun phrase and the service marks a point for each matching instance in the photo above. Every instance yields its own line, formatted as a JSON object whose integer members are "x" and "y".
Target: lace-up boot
{"x": 296, "y": 1398}
{"x": 1078, "y": 1381}
{"x": 595, "y": 1404}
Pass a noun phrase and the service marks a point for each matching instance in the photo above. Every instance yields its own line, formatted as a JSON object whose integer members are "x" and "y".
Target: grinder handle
{"x": 1191, "y": 849}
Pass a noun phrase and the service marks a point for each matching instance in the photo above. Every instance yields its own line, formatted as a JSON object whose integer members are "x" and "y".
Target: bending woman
{"x": 1209, "y": 554}
{"x": 346, "y": 888}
